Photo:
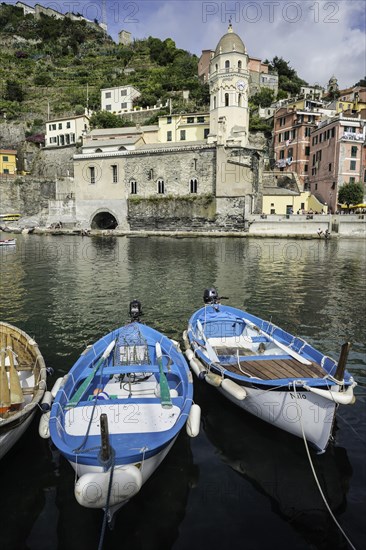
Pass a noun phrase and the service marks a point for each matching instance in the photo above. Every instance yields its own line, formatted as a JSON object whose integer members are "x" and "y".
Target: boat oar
{"x": 166, "y": 402}
{"x": 341, "y": 367}
{"x": 84, "y": 386}
{"x": 4, "y": 386}
{"x": 285, "y": 348}
{"x": 16, "y": 392}
{"x": 210, "y": 351}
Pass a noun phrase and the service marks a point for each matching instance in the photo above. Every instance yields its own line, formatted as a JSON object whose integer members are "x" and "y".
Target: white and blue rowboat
{"x": 268, "y": 372}
{"x": 118, "y": 411}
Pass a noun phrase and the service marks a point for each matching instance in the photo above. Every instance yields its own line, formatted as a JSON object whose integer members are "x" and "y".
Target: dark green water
{"x": 240, "y": 484}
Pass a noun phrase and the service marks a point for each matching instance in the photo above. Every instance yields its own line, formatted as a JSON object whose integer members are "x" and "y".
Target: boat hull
{"x": 8, "y": 439}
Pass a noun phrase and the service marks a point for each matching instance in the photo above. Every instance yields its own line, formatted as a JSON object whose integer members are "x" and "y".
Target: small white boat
{"x": 268, "y": 372}
{"x": 8, "y": 242}
{"x": 118, "y": 411}
{"x": 22, "y": 383}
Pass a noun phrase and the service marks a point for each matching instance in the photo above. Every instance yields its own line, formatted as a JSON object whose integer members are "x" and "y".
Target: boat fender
{"x": 196, "y": 367}
{"x": 56, "y": 386}
{"x": 189, "y": 354}
{"x": 194, "y": 420}
{"x": 44, "y": 422}
{"x": 342, "y": 398}
{"x": 213, "y": 379}
{"x": 233, "y": 389}
{"x": 91, "y": 489}
{"x": 46, "y": 401}
{"x": 173, "y": 392}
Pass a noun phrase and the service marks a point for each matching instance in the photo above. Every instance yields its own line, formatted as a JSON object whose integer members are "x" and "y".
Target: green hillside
{"x": 53, "y": 66}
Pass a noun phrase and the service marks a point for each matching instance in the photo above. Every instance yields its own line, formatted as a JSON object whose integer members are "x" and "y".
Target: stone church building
{"x": 125, "y": 175}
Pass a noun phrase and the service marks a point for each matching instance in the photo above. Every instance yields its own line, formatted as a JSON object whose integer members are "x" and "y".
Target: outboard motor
{"x": 210, "y": 296}
{"x": 135, "y": 310}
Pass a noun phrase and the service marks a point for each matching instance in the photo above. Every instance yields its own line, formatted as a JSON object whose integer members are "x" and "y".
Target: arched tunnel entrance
{"x": 104, "y": 220}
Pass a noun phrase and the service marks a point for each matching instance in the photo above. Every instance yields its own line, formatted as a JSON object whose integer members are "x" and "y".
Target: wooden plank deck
{"x": 273, "y": 369}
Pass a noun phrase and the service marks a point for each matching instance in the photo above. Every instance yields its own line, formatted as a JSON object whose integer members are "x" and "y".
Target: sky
{"x": 318, "y": 38}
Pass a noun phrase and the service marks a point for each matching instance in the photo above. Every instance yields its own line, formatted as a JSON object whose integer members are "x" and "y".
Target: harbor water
{"x": 240, "y": 484}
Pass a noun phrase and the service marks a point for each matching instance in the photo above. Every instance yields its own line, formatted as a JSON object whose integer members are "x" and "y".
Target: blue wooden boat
{"x": 119, "y": 410}
{"x": 268, "y": 372}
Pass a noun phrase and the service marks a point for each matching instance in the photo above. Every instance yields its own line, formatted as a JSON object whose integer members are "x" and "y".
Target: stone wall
{"x": 53, "y": 163}
{"x": 27, "y": 195}
{"x": 12, "y": 134}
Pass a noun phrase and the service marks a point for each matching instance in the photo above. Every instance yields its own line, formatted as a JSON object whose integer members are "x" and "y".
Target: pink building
{"x": 338, "y": 156}
{"x": 291, "y": 139}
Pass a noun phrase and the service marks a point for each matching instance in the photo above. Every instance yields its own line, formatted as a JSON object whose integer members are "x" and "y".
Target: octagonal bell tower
{"x": 229, "y": 86}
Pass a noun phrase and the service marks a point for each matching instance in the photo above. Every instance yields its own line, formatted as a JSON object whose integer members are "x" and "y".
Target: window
{"x": 190, "y": 120}
{"x": 108, "y": 107}
{"x": 290, "y": 152}
{"x": 364, "y": 177}
{"x": 108, "y": 95}
{"x": 352, "y": 165}
{"x": 5, "y": 159}
{"x": 168, "y": 119}
{"x": 306, "y": 167}
{"x": 161, "y": 189}
{"x": 200, "y": 119}
{"x": 169, "y": 136}
{"x": 227, "y": 64}
{"x": 123, "y": 92}
{"x": 6, "y": 171}
{"x": 307, "y": 131}
{"x": 333, "y": 131}
{"x": 182, "y": 135}
{"x": 92, "y": 174}
{"x": 72, "y": 138}
{"x": 124, "y": 105}
{"x": 226, "y": 100}
{"x": 214, "y": 102}
{"x": 280, "y": 137}
{"x": 282, "y": 121}
{"x": 53, "y": 127}
{"x": 354, "y": 151}
{"x": 282, "y": 154}
{"x": 68, "y": 124}
{"x": 239, "y": 65}
{"x": 206, "y": 131}
{"x": 351, "y": 179}
{"x": 286, "y": 135}
{"x": 60, "y": 125}
{"x": 307, "y": 151}
{"x": 133, "y": 187}
{"x": 330, "y": 167}
{"x": 114, "y": 173}
{"x": 193, "y": 185}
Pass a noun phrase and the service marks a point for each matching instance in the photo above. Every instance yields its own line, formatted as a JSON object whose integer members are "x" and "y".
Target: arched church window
{"x": 98, "y": 150}
{"x": 133, "y": 187}
{"x": 214, "y": 102}
{"x": 193, "y": 185}
{"x": 239, "y": 100}
{"x": 161, "y": 187}
{"x": 226, "y": 100}
{"x": 239, "y": 65}
{"x": 216, "y": 67}
{"x": 227, "y": 64}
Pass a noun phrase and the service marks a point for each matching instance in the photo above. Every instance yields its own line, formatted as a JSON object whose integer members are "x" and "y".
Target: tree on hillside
{"x": 361, "y": 82}
{"x": 13, "y": 91}
{"x": 105, "y": 119}
{"x": 288, "y": 79}
{"x": 351, "y": 193}
{"x": 264, "y": 97}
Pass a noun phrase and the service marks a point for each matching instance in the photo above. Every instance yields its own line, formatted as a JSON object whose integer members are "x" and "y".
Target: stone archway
{"x": 104, "y": 220}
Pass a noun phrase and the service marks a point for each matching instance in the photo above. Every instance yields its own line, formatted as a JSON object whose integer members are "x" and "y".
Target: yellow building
{"x": 8, "y": 161}
{"x": 187, "y": 127}
{"x": 284, "y": 201}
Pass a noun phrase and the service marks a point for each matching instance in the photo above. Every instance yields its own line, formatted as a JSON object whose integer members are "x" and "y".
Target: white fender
{"x": 91, "y": 490}
{"x": 342, "y": 398}
{"x": 56, "y": 386}
{"x": 194, "y": 420}
{"x": 196, "y": 367}
{"x": 44, "y": 422}
{"x": 213, "y": 379}
{"x": 189, "y": 354}
{"x": 233, "y": 389}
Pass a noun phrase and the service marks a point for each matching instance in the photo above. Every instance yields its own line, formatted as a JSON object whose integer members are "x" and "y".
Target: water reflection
{"x": 277, "y": 466}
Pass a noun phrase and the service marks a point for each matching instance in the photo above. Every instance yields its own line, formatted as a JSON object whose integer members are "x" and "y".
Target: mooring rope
{"x": 315, "y": 476}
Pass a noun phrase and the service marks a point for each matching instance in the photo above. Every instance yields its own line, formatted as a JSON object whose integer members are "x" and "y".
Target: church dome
{"x": 229, "y": 43}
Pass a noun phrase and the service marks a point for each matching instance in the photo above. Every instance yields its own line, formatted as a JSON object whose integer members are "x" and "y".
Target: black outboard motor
{"x": 135, "y": 310}
{"x": 210, "y": 296}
